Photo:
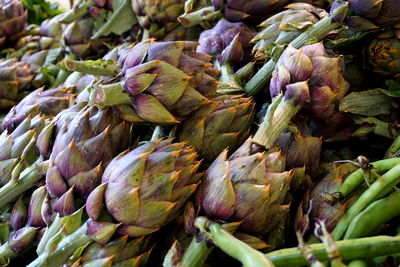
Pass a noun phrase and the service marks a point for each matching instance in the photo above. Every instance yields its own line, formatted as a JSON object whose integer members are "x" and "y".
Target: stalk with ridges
{"x": 359, "y": 248}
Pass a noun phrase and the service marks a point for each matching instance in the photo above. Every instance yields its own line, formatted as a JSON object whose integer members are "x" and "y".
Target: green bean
{"x": 357, "y": 177}
{"x": 376, "y": 214}
{"x": 359, "y": 248}
{"x": 388, "y": 179}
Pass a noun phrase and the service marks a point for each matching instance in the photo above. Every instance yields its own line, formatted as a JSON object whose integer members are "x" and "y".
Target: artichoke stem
{"x": 6, "y": 253}
{"x": 197, "y": 17}
{"x": 62, "y": 75}
{"x": 97, "y": 68}
{"x": 237, "y": 249}
{"x": 315, "y": 33}
{"x": 14, "y": 189}
{"x": 64, "y": 250}
{"x": 109, "y": 95}
{"x": 278, "y": 116}
{"x": 359, "y": 248}
{"x": 196, "y": 254}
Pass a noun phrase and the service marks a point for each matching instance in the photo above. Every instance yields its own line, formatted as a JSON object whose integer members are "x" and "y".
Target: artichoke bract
{"x": 224, "y": 123}
{"x": 163, "y": 82}
{"x": 15, "y": 77}
{"x": 305, "y": 77}
{"x": 283, "y": 27}
{"x": 383, "y": 53}
{"x": 13, "y": 18}
{"x": 158, "y": 17}
{"x": 48, "y": 103}
{"x": 215, "y": 40}
{"x": 381, "y": 12}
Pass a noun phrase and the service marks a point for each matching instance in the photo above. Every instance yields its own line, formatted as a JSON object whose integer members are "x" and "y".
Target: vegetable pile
{"x": 200, "y": 133}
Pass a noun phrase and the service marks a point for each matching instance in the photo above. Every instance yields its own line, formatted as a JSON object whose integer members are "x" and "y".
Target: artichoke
{"x": 15, "y": 77}
{"x": 381, "y": 12}
{"x": 142, "y": 190}
{"x": 119, "y": 252}
{"x": 224, "y": 123}
{"x": 232, "y": 188}
{"x": 13, "y": 18}
{"x": 383, "y": 53}
{"x": 318, "y": 205}
{"x": 163, "y": 83}
{"x": 86, "y": 141}
{"x": 19, "y": 147}
{"x": 282, "y": 28}
{"x": 215, "y": 40}
{"x": 76, "y": 38}
{"x": 305, "y": 77}
{"x": 48, "y": 103}
{"x": 158, "y": 16}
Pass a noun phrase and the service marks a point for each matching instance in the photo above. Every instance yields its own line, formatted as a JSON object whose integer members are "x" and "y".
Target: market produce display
{"x": 200, "y": 133}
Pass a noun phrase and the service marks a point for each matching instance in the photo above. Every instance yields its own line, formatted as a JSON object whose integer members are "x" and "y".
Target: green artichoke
{"x": 282, "y": 28}
{"x": 163, "y": 82}
{"x": 224, "y": 123}
{"x": 15, "y": 78}
{"x": 13, "y": 18}
{"x": 383, "y": 53}
{"x": 158, "y": 16}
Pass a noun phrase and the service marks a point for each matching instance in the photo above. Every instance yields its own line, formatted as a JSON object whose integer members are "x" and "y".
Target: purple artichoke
{"x": 381, "y": 12}
{"x": 163, "y": 82}
{"x": 214, "y": 41}
{"x": 13, "y": 18}
{"x": 48, "y": 103}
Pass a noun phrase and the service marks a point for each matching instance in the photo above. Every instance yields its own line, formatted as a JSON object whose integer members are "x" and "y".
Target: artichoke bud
{"x": 112, "y": 248}
{"x": 101, "y": 232}
{"x": 22, "y": 238}
{"x": 35, "y": 207}
{"x": 65, "y": 205}
{"x": 383, "y": 13}
{"x": 18, "y": 215}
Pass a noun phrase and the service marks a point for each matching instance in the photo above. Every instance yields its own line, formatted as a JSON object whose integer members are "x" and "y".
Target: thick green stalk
{"x": 27, "y": 178}
{"x": 237, "y": 249}
{"x": 349, "y": 250}
{"x": 196, "y": 254}
{"x": 356, "y": 178}
{"x": 64, "y": 250}
{"x": 315, "y": 33}
{"x": 96, "y": 67}
{"x": 197, "y": 17}
{"x": 6, "y": 253}
{"x": 384, "y": 183}
{"x": 276, "y": 120}
{"x": 374, "y": 216}
{"x": 109, "y": 95}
